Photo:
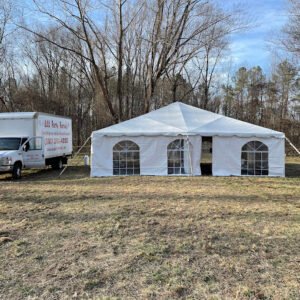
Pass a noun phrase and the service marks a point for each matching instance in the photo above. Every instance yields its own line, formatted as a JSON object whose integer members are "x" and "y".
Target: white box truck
{"x": 34, "y": 140}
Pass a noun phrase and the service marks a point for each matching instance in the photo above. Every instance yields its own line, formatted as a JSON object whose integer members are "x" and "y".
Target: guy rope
{"x": 292, "y": 145}
{"x": 64, "y": 169}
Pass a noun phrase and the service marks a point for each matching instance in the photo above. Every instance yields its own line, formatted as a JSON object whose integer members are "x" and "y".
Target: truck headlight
{"x": 8, "y": 160}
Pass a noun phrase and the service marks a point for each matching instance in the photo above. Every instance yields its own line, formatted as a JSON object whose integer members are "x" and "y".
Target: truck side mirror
{"x": 25, "y": 147}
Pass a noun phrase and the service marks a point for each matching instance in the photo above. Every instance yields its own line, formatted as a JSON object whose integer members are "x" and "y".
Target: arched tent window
{"x": 255, "y": 159}
{"x": 126, "y": 158}
{"x": 179, "y": 157}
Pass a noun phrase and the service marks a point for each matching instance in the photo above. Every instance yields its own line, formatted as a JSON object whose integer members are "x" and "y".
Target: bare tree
{"x": 291, "y": 38}
{"x": 178, "y": 32}
{"x": 83, "y": 30}
{"x": 5, "y": 13}
{"x": 130, "y": 48}
{"x": 213, "y": 51}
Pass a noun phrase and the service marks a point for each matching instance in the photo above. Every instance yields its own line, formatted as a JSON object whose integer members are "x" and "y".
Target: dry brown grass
{"x": 150, "y": 237}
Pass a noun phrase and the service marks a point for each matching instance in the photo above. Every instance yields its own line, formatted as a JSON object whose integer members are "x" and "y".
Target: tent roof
{"x": 182, "y": 119}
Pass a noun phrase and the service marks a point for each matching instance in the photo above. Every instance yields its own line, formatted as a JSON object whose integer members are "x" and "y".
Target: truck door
{"x": 33, "y": 153}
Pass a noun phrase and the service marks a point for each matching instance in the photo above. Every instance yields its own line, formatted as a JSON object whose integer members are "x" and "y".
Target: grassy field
{"x": 150, "y": 237}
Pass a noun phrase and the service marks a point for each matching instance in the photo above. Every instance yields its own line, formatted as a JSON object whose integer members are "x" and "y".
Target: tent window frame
{"x": 126, "y": 158}
{"x": 176, "y": 152}
{"x": 255, "y": 159}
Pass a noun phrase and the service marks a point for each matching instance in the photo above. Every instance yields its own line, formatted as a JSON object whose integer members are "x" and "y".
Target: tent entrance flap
{"x": 190, "y": 163}
{"x": 180, "y": 157}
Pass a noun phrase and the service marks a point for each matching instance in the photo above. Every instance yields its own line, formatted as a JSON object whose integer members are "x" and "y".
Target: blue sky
{"x": 253, "y": 47}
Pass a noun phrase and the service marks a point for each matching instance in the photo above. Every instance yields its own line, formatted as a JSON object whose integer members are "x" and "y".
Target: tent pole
{"x": 64, "y": 169}
{"x": 292, "y": 145}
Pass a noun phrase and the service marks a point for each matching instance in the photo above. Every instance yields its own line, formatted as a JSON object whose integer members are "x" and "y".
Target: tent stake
{"x": 292, "y": 145}
{"x": 64, "y": 169}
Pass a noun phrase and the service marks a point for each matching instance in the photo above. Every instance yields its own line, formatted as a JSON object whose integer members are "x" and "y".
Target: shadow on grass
{"x": 81, "y": 172}
{"x": 292, "y": 170}
{"x": 78, "y": 172}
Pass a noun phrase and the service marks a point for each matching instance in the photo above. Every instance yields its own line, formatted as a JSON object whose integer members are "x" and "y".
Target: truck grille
{"x": 1, "y": 161}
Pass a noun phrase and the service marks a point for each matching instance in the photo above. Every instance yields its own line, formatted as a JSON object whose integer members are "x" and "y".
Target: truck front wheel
{"x": 17, "y": 170}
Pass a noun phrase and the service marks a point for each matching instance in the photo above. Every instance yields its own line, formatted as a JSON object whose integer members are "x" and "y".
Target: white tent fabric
{"x": 154, "y": 131}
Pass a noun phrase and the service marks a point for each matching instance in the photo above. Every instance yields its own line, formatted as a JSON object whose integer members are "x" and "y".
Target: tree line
{"x": 103, "y": 62}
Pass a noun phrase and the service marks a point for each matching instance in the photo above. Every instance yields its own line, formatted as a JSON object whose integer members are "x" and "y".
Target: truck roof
{"x": 27, "y": 115}
{"x": 13, "y": 136}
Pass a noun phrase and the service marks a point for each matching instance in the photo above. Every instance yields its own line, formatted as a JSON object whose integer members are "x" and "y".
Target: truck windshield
{"x": 10, "y": 143}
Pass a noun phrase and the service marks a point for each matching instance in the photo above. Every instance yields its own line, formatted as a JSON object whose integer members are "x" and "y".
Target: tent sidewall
{"x": 227, "y": 155}
{"x": 153, "y": 154}
{"x": 154, "y": 160}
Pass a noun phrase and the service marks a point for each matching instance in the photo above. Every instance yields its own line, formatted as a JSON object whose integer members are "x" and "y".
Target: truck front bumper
{"x": 5, "y": 169}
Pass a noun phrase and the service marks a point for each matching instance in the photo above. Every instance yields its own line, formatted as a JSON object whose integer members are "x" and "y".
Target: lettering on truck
{"x": 57, "y": 135}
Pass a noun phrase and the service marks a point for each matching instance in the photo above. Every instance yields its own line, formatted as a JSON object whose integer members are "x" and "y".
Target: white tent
{"x": 168, "y": 141}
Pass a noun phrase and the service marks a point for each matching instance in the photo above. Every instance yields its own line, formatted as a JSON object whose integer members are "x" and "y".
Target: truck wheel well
{"x": 18, "y": 162}
{"x": 17, "y": 170}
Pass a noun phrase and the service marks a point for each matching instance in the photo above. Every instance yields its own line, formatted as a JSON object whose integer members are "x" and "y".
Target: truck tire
{"x": 17, "y": 171}
{"x": 58, "y": 164}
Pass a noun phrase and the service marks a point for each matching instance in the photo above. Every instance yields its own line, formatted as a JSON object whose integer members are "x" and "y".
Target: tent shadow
{"x": 292, "y": 170}
{"x": 82, "y": 172}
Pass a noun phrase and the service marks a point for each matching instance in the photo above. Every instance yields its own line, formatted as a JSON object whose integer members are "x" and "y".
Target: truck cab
{"x": 17, "y": 153}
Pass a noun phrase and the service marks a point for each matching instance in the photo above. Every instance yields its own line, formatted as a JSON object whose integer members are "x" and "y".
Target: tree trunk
{"x": 120, "y": 62}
